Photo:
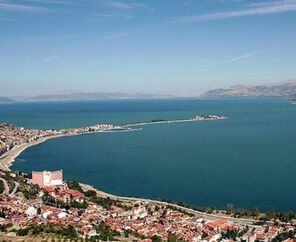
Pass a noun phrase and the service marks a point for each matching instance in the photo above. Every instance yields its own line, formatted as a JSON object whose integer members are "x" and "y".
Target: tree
{"x": 229, "y": 208}
{"x": 90, "y": 193}
{"x": 155, "y": 238}
{"x": 173, "y": 238}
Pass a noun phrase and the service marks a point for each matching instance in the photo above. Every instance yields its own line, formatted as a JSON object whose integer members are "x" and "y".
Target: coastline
{"x": 172, "y": 121}
{"x": 8, "y": 158}
{"x": 245, "y": 221}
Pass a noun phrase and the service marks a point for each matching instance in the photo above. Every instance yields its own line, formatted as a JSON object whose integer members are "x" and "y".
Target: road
{"x": 243, "y": 221}
{"x": 6, "y": 187}
{"x": 16, "y": 185}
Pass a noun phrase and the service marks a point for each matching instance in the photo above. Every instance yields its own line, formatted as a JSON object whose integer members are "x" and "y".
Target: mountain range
{"x": 6, "y": 100}
{"x": 83, "y": 96}
{"x": 285, "y": 89}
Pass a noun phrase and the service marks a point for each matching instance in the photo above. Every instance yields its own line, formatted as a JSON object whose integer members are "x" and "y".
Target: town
{"x": 11, "y": 136}
{"x": 43, "y": 203}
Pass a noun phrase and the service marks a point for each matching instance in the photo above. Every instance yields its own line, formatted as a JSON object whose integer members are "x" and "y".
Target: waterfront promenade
{"x": 8, "y": 158}
{"x": 242, "y": 221}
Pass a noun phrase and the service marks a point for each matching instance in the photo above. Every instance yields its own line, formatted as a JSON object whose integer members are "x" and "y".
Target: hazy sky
{"x": 179, "y": 47}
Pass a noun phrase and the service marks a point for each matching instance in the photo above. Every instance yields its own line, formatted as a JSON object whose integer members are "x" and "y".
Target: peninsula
{"x": 14, "y": 140}
{"x": 207, "y": 117}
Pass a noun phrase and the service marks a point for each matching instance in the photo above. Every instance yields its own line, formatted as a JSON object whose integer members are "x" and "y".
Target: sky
{"x": 175, "y": 47}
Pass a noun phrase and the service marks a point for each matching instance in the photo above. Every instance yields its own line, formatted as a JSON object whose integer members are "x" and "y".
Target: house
{"x": 69, "y": 195}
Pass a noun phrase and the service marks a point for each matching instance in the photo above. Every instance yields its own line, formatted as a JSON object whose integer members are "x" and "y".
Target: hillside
{"x": 6, "y": 100}
{"x": 91, "y": 96}
{"x": 284, "y": 89}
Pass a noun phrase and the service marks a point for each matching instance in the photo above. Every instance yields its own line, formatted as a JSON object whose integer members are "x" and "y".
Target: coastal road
{"x": 16, "y": 185}
{"x": 7, "y": 158}
{"x": 242, "y": 221}
{"x": 6, "y": 187}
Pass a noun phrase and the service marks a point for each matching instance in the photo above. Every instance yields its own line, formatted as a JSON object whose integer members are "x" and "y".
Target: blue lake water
{"x": 248, "y": 159}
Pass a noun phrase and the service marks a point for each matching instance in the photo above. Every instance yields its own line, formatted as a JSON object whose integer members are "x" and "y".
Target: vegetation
{"x": 243, "y": 212}
{"x": 104, "y": 233}
{"x": 173, "y": 238}
{"x": 2, "y": 188}
{"x": 158, "y": 120}
{"x": 31, "y": 192}
{"x": 284, "y": 236}
{"x": 229, "y": 234}
{"x": 282, "y": 216}
{"x": 90, "y": 193}
{"x": 238, "y": 213}
{"x": 10, "y": 180}
{"x": 3, "y": 228}
{"x": 74, "y": 185}
{"x": 80, "y": 205}
{"x": 209, "y": 210}
{"x": 233, "y": 234}
{"x": 64, "y": 231}
{"x": 156, "y": 238}
{"x": 49, "y": 200}
{"x": 108, "y": 202}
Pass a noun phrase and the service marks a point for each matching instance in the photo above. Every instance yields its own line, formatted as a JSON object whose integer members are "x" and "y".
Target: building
{"x": 48, "y": 178}
{"x": 69, "y": 195}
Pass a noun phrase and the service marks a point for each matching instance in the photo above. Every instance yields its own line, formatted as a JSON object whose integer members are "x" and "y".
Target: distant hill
{"x": 284, "y": 89}
{"x": 92, "y": 96}
{"x": 6, "y": 100}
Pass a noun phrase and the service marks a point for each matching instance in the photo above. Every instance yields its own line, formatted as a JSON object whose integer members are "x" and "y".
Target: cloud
{"x": 43, "y": 60}
{"x": 52, "y": 2}
{"x": 110, "y": 16}
{"x": 20, "y": 8}
{"x": 211, "y": 63}
{"x": 122, "y": 4}
{"x": 272, "y": 3}
{"x": 253, "y": 9}
{"x": 240, "y": 57}
{"x": 115, "y": 36}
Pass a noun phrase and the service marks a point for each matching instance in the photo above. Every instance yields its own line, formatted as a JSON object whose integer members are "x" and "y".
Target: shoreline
{"x": 7, "y": 159}
{"x": 172, "y": 121}
{"x": 245, "y": 221}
